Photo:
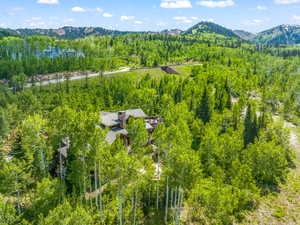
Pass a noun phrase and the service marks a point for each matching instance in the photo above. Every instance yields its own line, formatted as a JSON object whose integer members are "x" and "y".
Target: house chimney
{"x": 122, "y": 118}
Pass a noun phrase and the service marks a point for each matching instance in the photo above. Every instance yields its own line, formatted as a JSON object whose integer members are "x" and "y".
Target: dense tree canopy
{"x": 216, "y": 151}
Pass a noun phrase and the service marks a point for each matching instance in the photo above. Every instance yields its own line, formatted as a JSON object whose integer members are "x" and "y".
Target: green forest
{"x": 216, "y": 153}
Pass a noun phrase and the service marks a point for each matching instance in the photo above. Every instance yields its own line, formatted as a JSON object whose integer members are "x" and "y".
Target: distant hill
{"x": 63, "y": 33}
{"x": 280, "y": 35}
{"x": 75, "y": 32}
{"x": 7, "y": 32}
{"x": 244, "y": 34}
{"x": 172, "y": 32}
{"x": 69, "y": 32}
{"x": 209, "y": 27}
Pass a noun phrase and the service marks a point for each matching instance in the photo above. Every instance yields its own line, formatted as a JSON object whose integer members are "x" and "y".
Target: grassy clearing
{"x": 157, "y": 72}
{"x": 153, "y": 72}
{"x": 184, "y": 70}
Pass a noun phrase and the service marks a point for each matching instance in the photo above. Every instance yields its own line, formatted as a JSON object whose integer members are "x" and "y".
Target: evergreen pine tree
{"x": 251, "y": 126}
{"x": 228, "y": 96}
{"x": 204, "y": 109}
{"x": 248, "y": 126}
{"x": 178, "y": 94}
{"x": 3, "y": 124}
{"x": 228, "y": 102}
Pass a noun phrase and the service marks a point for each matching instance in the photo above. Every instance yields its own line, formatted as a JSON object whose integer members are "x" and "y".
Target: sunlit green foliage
{"x": 215, "y": 153}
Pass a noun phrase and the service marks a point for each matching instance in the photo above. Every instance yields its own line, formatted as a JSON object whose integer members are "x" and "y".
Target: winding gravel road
{"x": 55, "y": 81}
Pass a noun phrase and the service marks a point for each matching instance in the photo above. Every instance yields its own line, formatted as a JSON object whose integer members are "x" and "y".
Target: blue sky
{"x": 154, "y": 15}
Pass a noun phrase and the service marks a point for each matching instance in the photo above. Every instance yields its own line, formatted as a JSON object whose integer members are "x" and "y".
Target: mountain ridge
{"x": 284, "y": 34}
{"x": 69, "y": 32}
{"x": 210, "y": 27}
{"x": 244, "y": 34}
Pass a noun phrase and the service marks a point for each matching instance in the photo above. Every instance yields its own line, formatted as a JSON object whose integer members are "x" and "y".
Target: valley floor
{"x": 282, "y": 208}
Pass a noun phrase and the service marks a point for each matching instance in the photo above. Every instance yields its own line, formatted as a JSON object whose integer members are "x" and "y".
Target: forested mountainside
{"x": 281, "y": 35}
{"x": 7, "y": 33}
{"x": 172, "y": 32}
{"x": 81, "y": 32}
{"x": 69, "y": 32}
{"x": 19, "y": 56}
{"x": 211, "y": 28}
{"x": 244, "y": 34}
{"x": 214, "y": 153}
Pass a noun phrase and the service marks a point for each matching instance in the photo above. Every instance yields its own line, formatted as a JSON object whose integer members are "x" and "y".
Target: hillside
{"x": 280, "y": 35}
{"x": 209, "y": 27}
{"x": 142, "y": 146}
{"x": 69, "y": 32}
{"x": 62, "y": 33}
{"x": 283, "y": 207}
{"x": 172, "y": 32}
{"x": 244, "y": 34}
{"x": 7, "y": 32}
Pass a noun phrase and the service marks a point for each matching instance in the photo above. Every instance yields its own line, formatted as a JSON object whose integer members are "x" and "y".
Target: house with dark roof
{"x": 116, "y": 122}
{"x": 169, "y": 70}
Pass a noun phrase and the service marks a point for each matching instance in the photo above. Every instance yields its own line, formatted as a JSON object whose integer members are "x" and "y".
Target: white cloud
{"x": 127, "y": 18}
{"x": 162, "y": 24}
{"x": 70, "y": 20}
{"x": 176, "y": 4}
{"x": 78, "y": 9}
{"x": 208, "y": 20}
{"x": 253, "y": 22}
{"x": 179, "y": 18}
{"x": 257, "y": 21}
{"x": 296, "y": 18}
{"x": 56, "y": 22}
{"x": 14, "y": 11}
{"x": 214, "y": 4}
{"x": 261, "y": 7}
{"x": 35, "y": 18}
{"x": 286, "y": 2}
{"x": 50, "y": 2}
{"x": 18, "y": 9}
{"x": 35, "y": 22}
{"x": 49, "y": 22}
{"x": 131, "y": 19}
{"x": 99, "y": 9}
{"x": 138, "y": 22}
{"x": 185, "y": 19}
{"x": 107, "y": 15}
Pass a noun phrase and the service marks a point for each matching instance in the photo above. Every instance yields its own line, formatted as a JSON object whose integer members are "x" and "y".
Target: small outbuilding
{"x": 169, "y": 70}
